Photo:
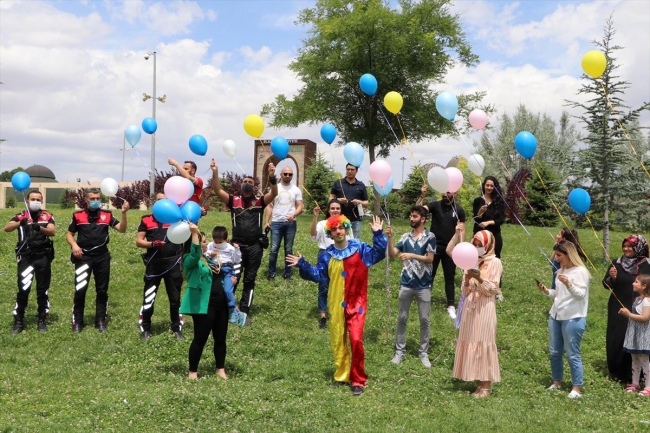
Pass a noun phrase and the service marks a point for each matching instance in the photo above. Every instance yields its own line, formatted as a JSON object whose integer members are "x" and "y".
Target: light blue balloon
{"x": 132, "y": 134}
{"x": 191, "y": 211}
{"x": 447, "y": 105}
{"x": 280, "y": 147}
{"x": 21, "y": 181}
{"x": 386, "y": 189}
{"x": 166, "y": 211}
{"x": 328, "y": 133}
{"x": 368, "y": 84}
{"x": 580, "y": 200}
{"x": 526, "y": 144}
{"x": 353, "y": 153}
{"x": 149, "y": 125}
{"x": 198, "y": 145}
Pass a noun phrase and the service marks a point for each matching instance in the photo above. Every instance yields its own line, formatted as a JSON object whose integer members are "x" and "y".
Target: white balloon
{"x": 109, "y": 187}
{"x": 229, "y": 148}
{"x": 476, "y": 164}
{"x": 179, "y": 232}
{"x": 438, "y": 179}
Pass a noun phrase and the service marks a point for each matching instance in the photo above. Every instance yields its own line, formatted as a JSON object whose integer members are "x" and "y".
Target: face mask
{"x": 220, "y": 246}
{"x": 94, "y": 205}
{"x": 481, "y": 251}
{"x": 246, "y": 187}
{"x": 35, "y": 206}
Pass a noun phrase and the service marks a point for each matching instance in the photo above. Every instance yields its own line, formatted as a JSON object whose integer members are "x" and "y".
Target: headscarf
{"x": 335, "y": 221}
{"x": 487, "y": 240}
{"x": 640, "y": 247}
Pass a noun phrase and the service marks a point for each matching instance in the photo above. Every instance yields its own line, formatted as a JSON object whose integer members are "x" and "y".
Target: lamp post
{"x": 403, "y": 159}
{"x": 152, "y": 175}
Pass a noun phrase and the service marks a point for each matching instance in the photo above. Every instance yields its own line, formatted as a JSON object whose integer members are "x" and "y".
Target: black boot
{"x": 42, "y": 326}
{"x": 77, "y": 324}
{"x": 19, "y": 325}
{"x": 101, "y": 325}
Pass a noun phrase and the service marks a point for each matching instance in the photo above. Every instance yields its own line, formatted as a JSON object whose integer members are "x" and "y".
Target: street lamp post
{"x": 403, "y": 159}
{"x": 162, "y": 99}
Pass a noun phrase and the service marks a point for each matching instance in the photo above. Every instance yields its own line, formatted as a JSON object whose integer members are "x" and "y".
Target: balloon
{"x": 198, "y": 145}
{"x": 328, "y": 133}
{"x": 166, "y": 212}
{"x": 280, "y": 147}
{"x": 229, "y": 148}
{"x": 191, "y": 211}
{"x": 149, "y": 125}
{"x": 132, "y": 134}
{"x": 465, "y": 255}
{"x": 478, "y": 119}
{"x": 380, "y": 172}
{"x": 178, "y": 190}
{"x": 178, "y": 232}
{"x": 455, "y": 179}
{"x": 109, "y": 187}
{"x": 368, "y": 84}
{"x": 393, "y": 102}
{"x": 21, "y": 181}
{"x": 476, "y": 164}
{"x": 579, "y": 200}
{"x": 526, "y": 144}
{"x": 254, "y": 125}
{"x": 447, "y": 105}
{"x": 353, "y": 153}
{"x": 438, "y": 179}
{"x": 386, "y": 189}
{"x": 594, "y": 63}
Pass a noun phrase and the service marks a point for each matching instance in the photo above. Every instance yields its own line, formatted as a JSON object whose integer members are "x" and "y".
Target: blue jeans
{"x": 566, "y": 335}
{"x": 281, "y": 230}
{"x": 356, "y": 229}
{"x": 323, "y": 287}
{"x": 228, "y": 286}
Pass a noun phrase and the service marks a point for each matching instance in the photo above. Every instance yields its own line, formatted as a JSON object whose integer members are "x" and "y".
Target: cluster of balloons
{"x": 381, "y": 175}
{"x": 177, "y": 210}
{"x": 448, "y": 179}
{"x": 21, "y": 181}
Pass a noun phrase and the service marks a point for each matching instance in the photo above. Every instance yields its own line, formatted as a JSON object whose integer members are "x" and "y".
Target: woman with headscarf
{"x": 476, "y": 350}
{"x": 619, "y": 278}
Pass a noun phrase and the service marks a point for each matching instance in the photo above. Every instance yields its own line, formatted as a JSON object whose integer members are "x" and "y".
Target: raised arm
{"x": 121, "y": 227}
{"x": 181, "y": 170}
{"x": 314, "y": 221}
{"x": 423, "y": 195}
{"x": 392, "y": 251}
{"x": 216, "y": 183}
{"x": 459, "y": 235}
{"x": 270, "y": 196}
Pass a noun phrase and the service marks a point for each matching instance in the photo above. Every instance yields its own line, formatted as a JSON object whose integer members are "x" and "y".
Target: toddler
{"x": 637, "y": 336}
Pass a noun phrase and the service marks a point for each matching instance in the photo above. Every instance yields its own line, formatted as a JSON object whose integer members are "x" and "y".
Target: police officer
{"x": 163, "y": 262}
{"x": 90, "y": 255}
{"x": 34, "y": 253}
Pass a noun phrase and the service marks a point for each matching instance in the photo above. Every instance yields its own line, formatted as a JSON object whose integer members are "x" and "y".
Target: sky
{"x": 74, "y": 72}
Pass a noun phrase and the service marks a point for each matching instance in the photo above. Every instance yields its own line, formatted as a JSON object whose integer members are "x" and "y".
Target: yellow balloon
{"x": 393, "y": 102}
{"x": 594, "y": 63}
{"x": 254, "y": 125}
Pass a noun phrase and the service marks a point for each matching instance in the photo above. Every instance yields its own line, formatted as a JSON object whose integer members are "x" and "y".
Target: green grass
{"x": 280, "y": 367}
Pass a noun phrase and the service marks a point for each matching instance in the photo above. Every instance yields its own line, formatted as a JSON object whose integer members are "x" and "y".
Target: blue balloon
{"x": 386, "y": 189}
{"x": 198, "y": 145}
{"x": 526, "y": 144}
{"x": 191, "y": 211}
{"x": 280, "y": 147}
{"x": 353, "y": 153}
{"x": 328, "y": 133}
{"x": 149, "y": 125}
{"x": 21, "y": 181}
{"x": 368, "y": 84}
{"x": 447, "y": 105}
{"x": 580, "y": 201}
{"x": 166, "y": 211}
{"x": 132, "y": 134}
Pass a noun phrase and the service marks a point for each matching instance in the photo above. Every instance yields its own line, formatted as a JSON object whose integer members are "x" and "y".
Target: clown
{"x": 344, "y": 266}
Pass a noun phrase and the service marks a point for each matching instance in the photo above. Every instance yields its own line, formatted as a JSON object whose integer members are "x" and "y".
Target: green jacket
{"x": 199, "y": 283}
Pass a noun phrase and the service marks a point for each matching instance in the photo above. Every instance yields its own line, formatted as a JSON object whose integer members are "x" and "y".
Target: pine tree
{"x": 537, "y": 193}
{"x": 319, "y": 178}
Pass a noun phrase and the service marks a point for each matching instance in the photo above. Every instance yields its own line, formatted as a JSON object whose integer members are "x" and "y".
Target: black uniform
{"x": 161, "y": 264}
{"x": 92, "y": 237}
{"x": 34, "y": 253}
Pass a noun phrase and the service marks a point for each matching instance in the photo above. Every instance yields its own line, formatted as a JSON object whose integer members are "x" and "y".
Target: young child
{"x": 224, "y": 257}
{"x": 637, "y": 337}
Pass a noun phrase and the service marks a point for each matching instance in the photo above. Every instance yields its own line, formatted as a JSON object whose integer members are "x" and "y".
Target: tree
{"x": 408, "y": 50}
{"x": 319, "y": 178}
{"x": 538, "y": 193}
{"x": 5, "y": 176}
{"x": 602, "y": 165}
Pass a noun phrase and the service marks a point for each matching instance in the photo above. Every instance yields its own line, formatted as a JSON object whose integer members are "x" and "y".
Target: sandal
{"x": 630, "y": 387}
{"x": 483, "y": 392}
{"x": 645, "y": 392}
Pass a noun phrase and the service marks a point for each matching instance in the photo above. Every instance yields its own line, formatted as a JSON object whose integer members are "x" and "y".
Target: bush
{"x": 10, "y": 202}
{"x": 67, "y": 199}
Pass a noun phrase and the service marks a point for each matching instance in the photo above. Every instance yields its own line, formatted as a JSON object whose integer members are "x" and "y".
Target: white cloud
{"x": 256, "y": 57}
{"x": 211, "y": 15}
{"x": 167, "y": 18}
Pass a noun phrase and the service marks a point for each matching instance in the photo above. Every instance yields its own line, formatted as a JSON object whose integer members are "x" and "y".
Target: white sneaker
{"x": 451, "y": 310}
{"x": 574, "y": 394}
{"x": 398, "y": 358}
{"x": 553, "y": 387}
{"x": 424, "y": 358}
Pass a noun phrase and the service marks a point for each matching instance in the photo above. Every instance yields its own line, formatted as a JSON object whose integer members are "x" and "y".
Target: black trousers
{"x": 100, "y": 267}
{"x": 251, "y": 259}
{"x": 216, "y": 321}
{"x": 169, "y": 271}
{"x": 30, "y": 267}
{"x": 449, "y": 272}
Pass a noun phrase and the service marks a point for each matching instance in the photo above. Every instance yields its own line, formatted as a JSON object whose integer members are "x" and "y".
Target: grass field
{"x": 280, "y": 367}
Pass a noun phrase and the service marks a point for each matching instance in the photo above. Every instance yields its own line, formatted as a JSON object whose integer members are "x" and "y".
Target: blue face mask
{"x": 94, "y": 205}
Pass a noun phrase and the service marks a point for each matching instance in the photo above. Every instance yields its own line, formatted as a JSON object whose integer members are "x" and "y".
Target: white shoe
{"x": 553, "y": 387}
{"x": 398, "y": 358}
{"x": 451, "y": 310}
{"x": 574, "y": 394}
{"x": 424, "y": 359}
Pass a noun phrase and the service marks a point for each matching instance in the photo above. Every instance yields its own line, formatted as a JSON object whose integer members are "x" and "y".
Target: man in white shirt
{"x": 283, "y": 211}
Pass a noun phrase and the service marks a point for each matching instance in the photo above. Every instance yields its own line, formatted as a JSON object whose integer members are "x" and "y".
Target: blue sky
{"x": 74, "y": 74}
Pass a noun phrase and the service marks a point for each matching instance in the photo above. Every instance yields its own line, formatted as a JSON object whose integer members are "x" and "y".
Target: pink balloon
{"x": 455, "y": 179}
{"x": 178, "y": 189}
{"x": 380, "y": 172}
{"x": 465, "y": 255}
{"x": 478, "y": 119}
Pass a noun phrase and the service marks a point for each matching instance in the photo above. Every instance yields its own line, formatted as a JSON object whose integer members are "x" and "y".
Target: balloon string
{"x": 309, "y": 194}
{"x": 25, "y": 201}
{"x": 241, "y": 168}
{"x": 401, "y": 143}
{"x": 598, "y": 239}
{"x": 145, "y": 164}
{"x": 160, "y": 145}
{"x": 400, "y": 127}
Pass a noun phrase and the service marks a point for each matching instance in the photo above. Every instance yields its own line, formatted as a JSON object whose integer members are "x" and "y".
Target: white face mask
{"x": 35, "y": 205}
{"x": 481, "y": 251}
{"x": 220, "y": 246}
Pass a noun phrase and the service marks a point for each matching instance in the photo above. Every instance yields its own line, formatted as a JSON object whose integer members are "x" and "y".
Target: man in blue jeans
{"x": 283, "y": 211}
{"x": 353, "y": 196}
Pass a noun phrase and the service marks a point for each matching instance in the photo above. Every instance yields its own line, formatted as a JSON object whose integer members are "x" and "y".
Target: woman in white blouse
{"x": 567, "y": 318}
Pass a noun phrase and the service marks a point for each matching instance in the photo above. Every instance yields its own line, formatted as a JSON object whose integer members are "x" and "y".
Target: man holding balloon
{"x": 353, "y": 196}
{"x": 188, "y": 171}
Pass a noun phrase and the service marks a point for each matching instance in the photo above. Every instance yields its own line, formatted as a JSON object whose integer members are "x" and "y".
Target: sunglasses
{"x": 287, "y": 174}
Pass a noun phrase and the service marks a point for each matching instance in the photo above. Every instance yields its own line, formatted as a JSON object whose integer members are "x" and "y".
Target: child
{"x": 224, "y": 257}
{"x": 637, "y": 337}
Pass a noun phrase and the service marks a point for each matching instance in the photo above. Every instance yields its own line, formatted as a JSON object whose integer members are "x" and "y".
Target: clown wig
{"x": 335, "y": 221}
